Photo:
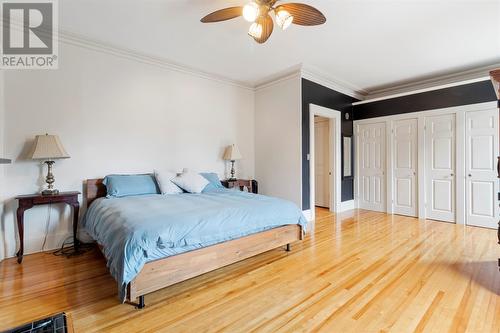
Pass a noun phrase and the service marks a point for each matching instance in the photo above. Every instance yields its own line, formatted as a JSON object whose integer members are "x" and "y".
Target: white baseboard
{"x": 307, "y": 215}
{"x": 347, "y": 205}
{"x": 34, "y": 244}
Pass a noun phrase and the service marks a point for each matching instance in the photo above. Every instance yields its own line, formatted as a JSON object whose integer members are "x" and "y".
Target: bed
{"x": 153, "y": 241}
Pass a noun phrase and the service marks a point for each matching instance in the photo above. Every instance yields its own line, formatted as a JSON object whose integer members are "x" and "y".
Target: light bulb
{"x": 255, "y": 30}
{"x": 283, "y": 19}
{"x": 251, "y": 11}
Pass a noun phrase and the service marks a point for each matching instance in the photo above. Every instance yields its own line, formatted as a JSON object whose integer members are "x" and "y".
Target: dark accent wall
{"x": 313, "y": 93}
{"x": 471, "y": 93}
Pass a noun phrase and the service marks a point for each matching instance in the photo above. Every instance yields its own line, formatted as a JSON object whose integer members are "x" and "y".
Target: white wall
{"x": 278, "y": 139}
{"x": 115, "y": 114}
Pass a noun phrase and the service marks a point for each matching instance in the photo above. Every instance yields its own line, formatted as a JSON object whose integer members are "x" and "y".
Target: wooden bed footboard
{"x": 165, "y": 272}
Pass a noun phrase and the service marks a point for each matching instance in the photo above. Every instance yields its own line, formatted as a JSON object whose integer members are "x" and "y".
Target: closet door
{"x": 405, "y": 167}
{"x": 440, "y": 167}
{"x": 372, "y": 167}
{"x": 481, "y": 176}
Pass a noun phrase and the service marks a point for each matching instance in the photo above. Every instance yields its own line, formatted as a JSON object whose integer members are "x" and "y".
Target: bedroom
{"x": 146, "y": 88}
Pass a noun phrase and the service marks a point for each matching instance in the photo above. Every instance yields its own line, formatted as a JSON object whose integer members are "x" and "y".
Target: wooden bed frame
{"x": 165, "y": 272}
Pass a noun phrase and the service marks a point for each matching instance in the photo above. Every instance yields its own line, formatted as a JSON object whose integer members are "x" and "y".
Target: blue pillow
{"x": 214, "y": 182}
{"x": 126, "y": 185}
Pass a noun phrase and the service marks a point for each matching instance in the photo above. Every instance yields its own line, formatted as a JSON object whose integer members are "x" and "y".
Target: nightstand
{"x": 250, "y": 184}
{"x": 29, "y": 201}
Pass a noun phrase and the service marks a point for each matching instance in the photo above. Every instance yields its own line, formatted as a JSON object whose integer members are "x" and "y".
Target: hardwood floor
{"x": 358, "y": 272}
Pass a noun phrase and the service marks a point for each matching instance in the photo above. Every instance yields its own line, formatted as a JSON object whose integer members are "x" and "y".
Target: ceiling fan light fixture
{"x": 255, "y": 30}
{"x": 284, "y": 19}
{"x": 259, "y": 13}
{"x": 251, "y": 11}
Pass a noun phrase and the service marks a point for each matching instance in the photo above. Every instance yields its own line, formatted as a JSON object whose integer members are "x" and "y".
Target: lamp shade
{"x": 48, "y": 147}
{"x": 232, "y": 153}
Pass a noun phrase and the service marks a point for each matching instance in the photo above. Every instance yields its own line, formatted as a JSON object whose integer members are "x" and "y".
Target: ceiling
{"x": 367, "y": 45}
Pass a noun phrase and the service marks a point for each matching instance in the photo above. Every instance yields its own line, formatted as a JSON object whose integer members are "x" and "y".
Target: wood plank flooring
{"x": 357, "y": 272}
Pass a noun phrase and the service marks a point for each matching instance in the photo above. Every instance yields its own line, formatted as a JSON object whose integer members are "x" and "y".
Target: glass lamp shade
{"x": 255, "y": 30}
{"x": 251, "y": 12}
{"x": 283, "y": 19}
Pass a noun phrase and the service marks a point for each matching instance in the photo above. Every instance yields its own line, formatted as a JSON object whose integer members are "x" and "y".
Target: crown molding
{"x": 73, "y": 39}
{"x": 290, "y": 73}
{"x": 434, "y": 83}
{"x": 307, "y": 72}
{"x": 344, "y": 87}
{"x": 413, "y": 92}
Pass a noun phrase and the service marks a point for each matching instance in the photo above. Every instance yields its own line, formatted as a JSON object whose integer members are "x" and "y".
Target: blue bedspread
{"x": 138, "y": 229}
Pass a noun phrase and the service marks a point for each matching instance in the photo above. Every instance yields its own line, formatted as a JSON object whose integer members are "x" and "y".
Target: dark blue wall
{"x": 471, "y": 93}
{"x": 313, "y": 93}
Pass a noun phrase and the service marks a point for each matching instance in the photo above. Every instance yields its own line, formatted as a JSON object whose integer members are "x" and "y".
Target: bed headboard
{"x": 95, "y": 189}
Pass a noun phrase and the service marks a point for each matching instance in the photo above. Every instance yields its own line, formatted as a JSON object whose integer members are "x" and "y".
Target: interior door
{"x": 405, "y": 161}
{"x": 372, "y": 167}
{"x": 321, "y": 161}
{"x": 481, "y": 175}
{"x": 440, "y": 167}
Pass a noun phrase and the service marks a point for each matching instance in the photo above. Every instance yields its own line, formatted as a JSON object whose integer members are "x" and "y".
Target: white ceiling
{"x": 365, "y": 44}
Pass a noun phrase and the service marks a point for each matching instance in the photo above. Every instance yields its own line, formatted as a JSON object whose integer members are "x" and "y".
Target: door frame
{"x": 459, "y": 111}
{"x": 334, "y": 147}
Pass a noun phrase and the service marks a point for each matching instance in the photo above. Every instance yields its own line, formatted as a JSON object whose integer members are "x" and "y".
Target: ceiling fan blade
{"x": 223, "y": 15}
{"x": 303, "y": 14}
{"x": 267, "y": 28}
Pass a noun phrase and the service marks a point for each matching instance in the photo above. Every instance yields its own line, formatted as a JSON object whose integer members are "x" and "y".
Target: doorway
{"x": 324, "y": 160}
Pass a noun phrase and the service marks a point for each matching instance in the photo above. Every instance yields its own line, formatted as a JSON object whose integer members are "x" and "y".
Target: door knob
{"x": 470, "y": 175}
{"x": 452, "y": 175}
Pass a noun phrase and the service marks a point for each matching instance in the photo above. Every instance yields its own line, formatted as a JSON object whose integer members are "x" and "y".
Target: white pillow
{"x": 164, "y": 180}
{"x": 191, "y": 182}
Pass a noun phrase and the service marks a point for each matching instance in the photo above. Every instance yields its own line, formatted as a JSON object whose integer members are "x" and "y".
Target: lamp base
{"x": 50, "y": 192}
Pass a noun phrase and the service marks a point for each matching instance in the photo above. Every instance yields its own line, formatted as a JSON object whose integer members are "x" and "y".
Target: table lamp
{"x": 232, "y": 153}
{"x": 49, "y": 148}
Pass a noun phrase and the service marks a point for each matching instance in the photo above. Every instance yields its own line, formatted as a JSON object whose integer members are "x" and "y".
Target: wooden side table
{"x": 250, "y": 184}
{"x": 28, "y": 201}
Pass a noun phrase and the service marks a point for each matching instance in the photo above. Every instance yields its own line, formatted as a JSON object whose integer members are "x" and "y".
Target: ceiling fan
{"x": 259, "y": 13}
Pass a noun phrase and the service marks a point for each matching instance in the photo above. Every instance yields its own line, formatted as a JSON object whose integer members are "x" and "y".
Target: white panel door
{"x": 440, "y": 167}
{"x": 405, "y": 167}
{"x": 321, "y": 162}
{"x": 481, "y": 176}
{"x": 372, "y": 167}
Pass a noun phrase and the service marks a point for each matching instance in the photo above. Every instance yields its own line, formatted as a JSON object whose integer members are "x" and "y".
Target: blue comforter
{"x": 138, "y": 229}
